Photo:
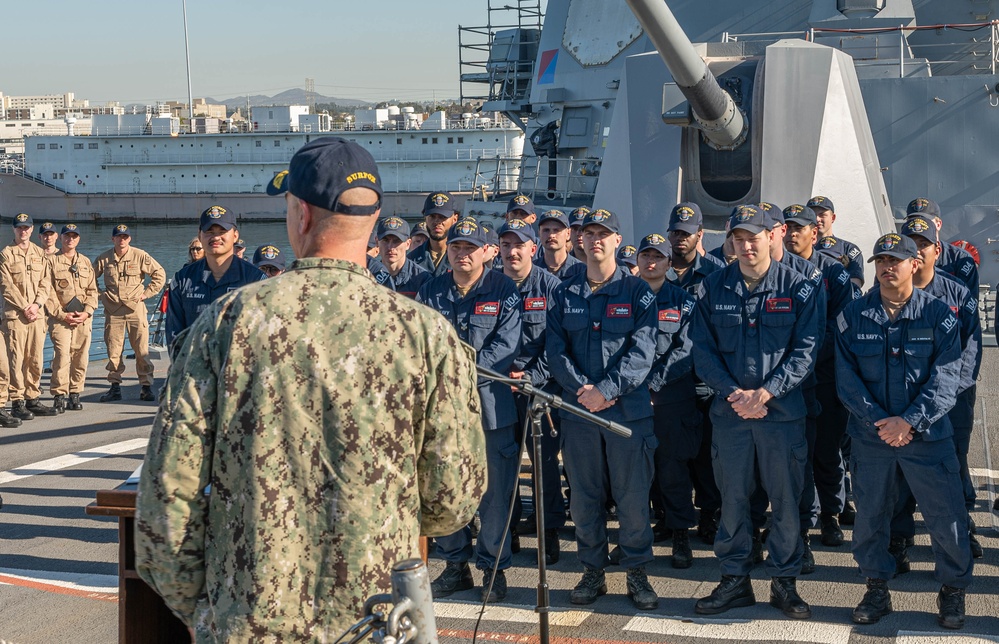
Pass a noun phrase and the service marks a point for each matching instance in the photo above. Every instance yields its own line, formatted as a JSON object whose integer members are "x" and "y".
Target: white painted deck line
{"x": 71, "y": 460}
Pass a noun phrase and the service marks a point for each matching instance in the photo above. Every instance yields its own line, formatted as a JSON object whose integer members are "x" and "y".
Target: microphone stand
{"x": 540, "y": 403}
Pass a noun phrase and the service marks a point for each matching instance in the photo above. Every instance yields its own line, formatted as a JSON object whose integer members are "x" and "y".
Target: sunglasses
{"x": 198, "y": 248}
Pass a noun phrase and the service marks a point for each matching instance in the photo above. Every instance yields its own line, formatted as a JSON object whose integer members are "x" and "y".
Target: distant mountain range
{"x": 294, "y": 96}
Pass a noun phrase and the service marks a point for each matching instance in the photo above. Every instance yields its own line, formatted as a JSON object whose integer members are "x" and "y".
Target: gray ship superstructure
{"x": 869, "y": 102}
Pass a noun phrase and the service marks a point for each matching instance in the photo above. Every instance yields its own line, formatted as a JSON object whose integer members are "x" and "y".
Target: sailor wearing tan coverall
{"x": 24, "y": 282}
{"x": 70, "y": 308}
{"x": 124, "y": 270}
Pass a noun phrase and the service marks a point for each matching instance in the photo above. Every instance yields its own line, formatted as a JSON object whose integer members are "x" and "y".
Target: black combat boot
{"x": 756, "y": 554}
{"x": 498, "y": 591}
{"x": 113, "y": 394}
{"x": 950, "y": 601}
{"x": 977, "y": 552}
{"x": 455, "y": 577}
{"x": 59, "y": 403}
{"x": 6, "y": 420}
{"x": 848, "y": 515}
{"x": 591, "y": 586}
{"x": 875, "y": 604}
{"x": 146, "y": 393}
{"x": 732, "y": 592}
{"x": 36, "y": 407}
{"x": 807, "y": 558}
{"x": 74, "y": 403}
{"x": 898, "y": 550}
{"x": 784, "y": 595}
{"x": 707, "y": 527}
{"x": 832, "y": 534}
{"x": 682, "y": 556}
{"x": 552, "y": 547}
{"x": 19, "y": 410}
{"x": 640, "y": 590}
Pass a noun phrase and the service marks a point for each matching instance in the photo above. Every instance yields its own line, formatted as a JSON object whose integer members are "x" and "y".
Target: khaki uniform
{"x": 24, "y": 280}
{"x": 336, "y": 421}
{"x": 4, "y": 371}
{"x": 71, "y": 278}
{"x": 125, "y": 310}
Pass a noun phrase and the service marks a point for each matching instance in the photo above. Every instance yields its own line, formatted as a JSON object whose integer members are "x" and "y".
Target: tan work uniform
{"x": 124, "y": 309}
{"x": 4, "y": 369}
{"x": 24, "y": 280}
{"x": 71, "y": 278}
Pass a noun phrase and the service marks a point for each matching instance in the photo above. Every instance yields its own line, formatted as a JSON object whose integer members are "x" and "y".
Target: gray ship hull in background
{"x": 884, "y": 109}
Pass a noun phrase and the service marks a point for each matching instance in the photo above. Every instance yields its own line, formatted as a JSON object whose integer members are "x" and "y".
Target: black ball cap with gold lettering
{"x": 440, "y": 203}
{"x": 22, "y": 219}
{"x": 324, "y": 169}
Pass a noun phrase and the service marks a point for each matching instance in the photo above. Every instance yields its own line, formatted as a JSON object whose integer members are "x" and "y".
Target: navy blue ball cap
{"x": 420, "y": 229}
{"x": 393, "y": 227}
{"x": 657, "y": 242}
{"x": 554, "y": 215}
{"x": 327, "y": 167}
{"x": 749, "y": 218}
{"x": 268, "y": 255}
{"x": 440, "y": 203}
{"x": 801, "y": 215}
{"x": 917, "y": 226}
{"x": 772, "y": 211}
{"x": 239, "y": 244}
{"x": 604, "y": 218}
{"x": 279, "y": 184}
{"x": 521, "y": 202}
{"x": 627, "y": 256}
{"x": 577, "y": 215}
{"x": 217, "y": 216}
{"x": 894, "y": 245}
{"x": 818, "y": 201}
{"x": 523, "y": 230}
{"x": 121, "y": 229}
{"x": 70, "y": 228}
{"x": 468, "y": 230}
{"x": 22, "y": 219}
{"x": 492, "y": 237}
{"x": 686, "y": 217}
{"x": 923, "y": 206}
{"x": 47, "y": 227}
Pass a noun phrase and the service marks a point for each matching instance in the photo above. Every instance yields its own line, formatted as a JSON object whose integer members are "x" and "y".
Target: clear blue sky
{"x": 133, "y": 52}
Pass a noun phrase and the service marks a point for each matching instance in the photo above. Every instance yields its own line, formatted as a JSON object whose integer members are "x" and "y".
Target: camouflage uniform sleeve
{"x": 171, "y": 509}
{"x": 452, "y": 458}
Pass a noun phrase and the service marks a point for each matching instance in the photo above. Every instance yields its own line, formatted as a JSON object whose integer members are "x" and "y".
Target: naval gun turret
{"x": 715, "y": 112}
{"x": 745, "y": 121}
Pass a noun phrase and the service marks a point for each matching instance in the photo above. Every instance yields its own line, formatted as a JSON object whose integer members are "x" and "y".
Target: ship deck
{"x": 58, "y": 571}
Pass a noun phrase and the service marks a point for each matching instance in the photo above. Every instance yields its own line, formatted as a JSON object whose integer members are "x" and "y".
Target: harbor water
{"x": 167, "y": 242}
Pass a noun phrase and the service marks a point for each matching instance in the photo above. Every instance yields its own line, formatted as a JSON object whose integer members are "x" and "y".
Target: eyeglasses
{"x": 74, "y": 269}
{"x": 196, "y": 248}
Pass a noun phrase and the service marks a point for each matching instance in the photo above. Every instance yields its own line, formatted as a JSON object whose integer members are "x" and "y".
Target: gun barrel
{"x": 714, "y": 110}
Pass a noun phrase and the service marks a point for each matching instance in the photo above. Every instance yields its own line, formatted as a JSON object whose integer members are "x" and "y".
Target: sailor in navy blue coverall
{"x": 677, "y": 421}
{"x": 440, "y": 212}
{"x": 196, "y": 285}
{"x": 965, "y": 307}
{"x": 898, "y": 370}
{"x": 688, "y": 270}
{"x": 517, "y": 244}
{"x": 601, "y": 342}
{"x": 485, "y": 309}
{"x": 755, "y": 339}
{"x": 956, "y": 262}
{"x": 406, "y": 277}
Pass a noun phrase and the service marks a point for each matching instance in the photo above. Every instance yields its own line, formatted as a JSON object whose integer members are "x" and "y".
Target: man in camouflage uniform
{"x": 124, "y": 270}
{"x": 70, "y": 308}
{"x": 326, "y": 460}
{"x": 24, "y": 284}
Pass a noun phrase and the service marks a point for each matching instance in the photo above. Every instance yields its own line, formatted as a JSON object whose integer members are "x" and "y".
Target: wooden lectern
{"x": 143, "y": 618}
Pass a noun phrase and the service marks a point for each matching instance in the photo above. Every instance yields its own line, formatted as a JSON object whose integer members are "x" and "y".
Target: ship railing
{"x": 19, "y": 172}
{"x": 978, "y": 55}
{"x": 245, "y": 158}
{"x": 560, "y": 179}
{"x": 495, "y": 176}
